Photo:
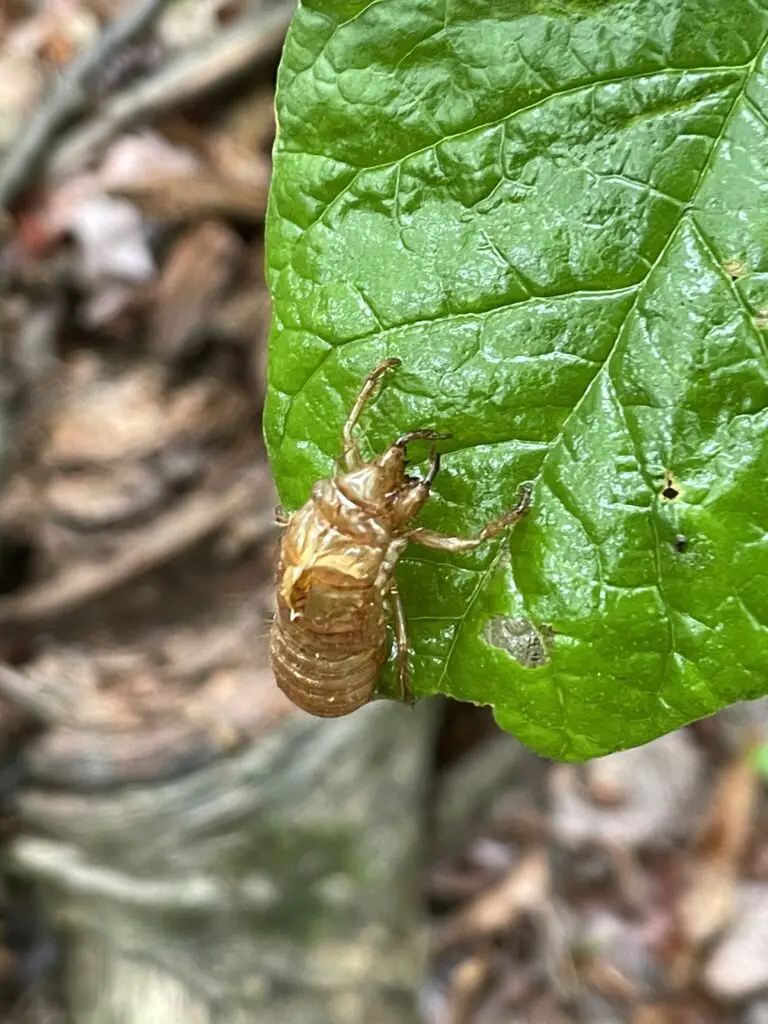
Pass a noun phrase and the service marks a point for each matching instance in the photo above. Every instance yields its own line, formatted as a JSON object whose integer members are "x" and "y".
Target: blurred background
{"x": 178, "y": 843}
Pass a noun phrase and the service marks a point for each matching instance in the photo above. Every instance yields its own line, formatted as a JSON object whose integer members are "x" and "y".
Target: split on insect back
{"x": 336, "y": 579}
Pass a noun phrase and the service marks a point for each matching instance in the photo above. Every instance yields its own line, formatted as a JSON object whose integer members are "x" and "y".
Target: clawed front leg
{"x": 444, "y": 542}
{"x": 401, "y": 643}
{"x": 351, "y": 457}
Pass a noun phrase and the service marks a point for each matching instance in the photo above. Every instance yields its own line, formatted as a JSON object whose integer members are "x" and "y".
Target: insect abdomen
{"x": 329, "y": 670}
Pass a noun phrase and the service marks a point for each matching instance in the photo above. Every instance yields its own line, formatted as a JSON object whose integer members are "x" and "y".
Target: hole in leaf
{"x": 671, "y": 489}
{"x": 520, "y": 638}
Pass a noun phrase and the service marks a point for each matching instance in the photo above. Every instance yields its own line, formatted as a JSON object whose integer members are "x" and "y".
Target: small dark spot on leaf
{"x": 681, "y": 543}
{"x": 520, "y": 638}
{"x": 761, "y": 319}
{"x": 671, "y": 489}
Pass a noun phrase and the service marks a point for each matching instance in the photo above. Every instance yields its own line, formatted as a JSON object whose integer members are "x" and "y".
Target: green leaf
{"x": 556, "y": 214}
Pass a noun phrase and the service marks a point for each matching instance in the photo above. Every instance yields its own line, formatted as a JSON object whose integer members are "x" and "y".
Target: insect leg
{"x": 352, "y": 457}
{"x": 401, "y": 642}
{"x": 434, "y": 455}
{"x": 281, "y": 519}
{"x": 420, "y": 435}
{"x": 434, "y": 467}
{"x": 444, "y": 542}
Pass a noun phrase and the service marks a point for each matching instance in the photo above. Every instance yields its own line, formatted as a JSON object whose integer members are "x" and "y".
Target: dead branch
{"x": 69, "y": 97}
{"x": 170, "y": 535}
{"x": 182, "y": 197}
{"x": 185, "y": 79}
{"x": 39, "y": 698}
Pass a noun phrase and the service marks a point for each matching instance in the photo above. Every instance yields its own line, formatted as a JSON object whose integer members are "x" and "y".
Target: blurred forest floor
{"x": 137, "y": 551}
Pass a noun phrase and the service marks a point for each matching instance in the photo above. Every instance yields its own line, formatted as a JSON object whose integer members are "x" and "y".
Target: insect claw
{"x": 420, "y": 435}
{"x": 424, "y": 435}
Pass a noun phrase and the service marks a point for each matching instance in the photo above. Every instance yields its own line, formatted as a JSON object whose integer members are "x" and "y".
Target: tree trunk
{"x": 281, "y": 884}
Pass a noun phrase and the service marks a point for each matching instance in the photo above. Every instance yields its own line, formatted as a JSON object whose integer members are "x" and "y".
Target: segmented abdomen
{"x": 329, "y": 669}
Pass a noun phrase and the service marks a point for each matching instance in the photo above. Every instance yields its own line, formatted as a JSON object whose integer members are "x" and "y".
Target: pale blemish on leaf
{"x": 520, "y": 639}
{"x": 735, "y": 268}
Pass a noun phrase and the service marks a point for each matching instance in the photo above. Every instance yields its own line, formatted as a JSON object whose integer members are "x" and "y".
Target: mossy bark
{"x": 280, "y": 885}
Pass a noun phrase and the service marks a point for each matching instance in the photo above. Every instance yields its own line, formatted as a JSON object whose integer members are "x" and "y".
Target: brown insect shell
{"x": 342, "y": 535}
{"x": 338, "y": 554}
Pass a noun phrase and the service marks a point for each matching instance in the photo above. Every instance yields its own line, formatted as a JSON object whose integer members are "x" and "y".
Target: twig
{"x": 169, "y": 536}
{"x": 186, "y": 197}
{"x": 46, "y": 702}
{"x": 185, "y": 79}
{"x": 69, "y": 97}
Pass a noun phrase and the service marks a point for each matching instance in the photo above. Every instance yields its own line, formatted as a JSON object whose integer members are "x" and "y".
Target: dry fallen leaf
{"x": 467, "y": 979}
{"x": 705, "y": 906}
{"x": 641, "y": 796}
{"x": 112, "y": 241}
{"x": 144, "y": 154}
{"x": 114, "y": 255}
{"x": 21, "y": 86}
{"x": 524, "y": 889}
{"x": 181, "y": 197}
{"x": 738, "y": 967}
{"x": 654, "y": 1014}
{"x": 189, "y": 23}
{"x": 198, "y": 268}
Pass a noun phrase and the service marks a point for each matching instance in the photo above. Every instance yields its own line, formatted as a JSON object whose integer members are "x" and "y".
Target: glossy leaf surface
{"x": 556, "y": 214}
